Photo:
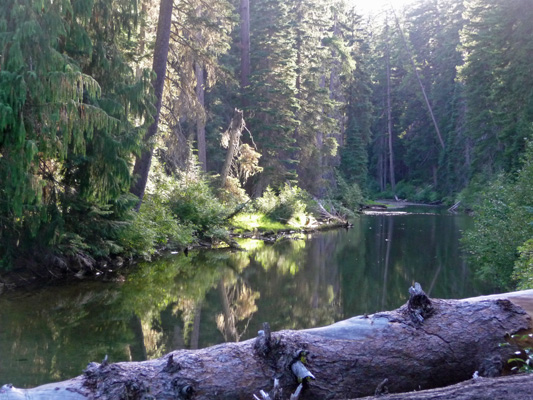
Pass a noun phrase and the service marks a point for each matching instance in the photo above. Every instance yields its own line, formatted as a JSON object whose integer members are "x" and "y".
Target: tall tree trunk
{"x": 200, "y": 122}
{"x": 389, "y": 116}
{"x": 245, "y": 43}
{"x": 143, "y": 163}
{"x": 142, "y": 36}
{"x": 200, "y": 96}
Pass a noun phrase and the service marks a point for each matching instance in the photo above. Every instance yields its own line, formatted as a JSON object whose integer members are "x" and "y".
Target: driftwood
{"x": 427, "y": 343}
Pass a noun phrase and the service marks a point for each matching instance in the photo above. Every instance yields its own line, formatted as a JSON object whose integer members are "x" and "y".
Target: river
{"x": 209, "y": 297}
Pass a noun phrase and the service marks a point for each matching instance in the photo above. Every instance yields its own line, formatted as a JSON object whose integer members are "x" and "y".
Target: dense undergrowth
{"x": 178, "y": 211}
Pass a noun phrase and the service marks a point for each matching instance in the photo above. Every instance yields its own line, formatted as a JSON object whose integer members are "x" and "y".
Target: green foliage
{"x": 426, "y": 194}
{"x": 71, "y": 114}
{"x": 405, "y": 190}
{"x": 153, "y": 227}
{"x": 350, "y": 195}
{"x": 267, "y": 202}
{"x": 492, "y": 243}
{"x": 523, "y": 269}
{"x": 503, "y": 223}
{"x": 471, "y": 195}
{"x": 194, "y": 202}
{"x": 498, "y": 82}
{"x": 291, "y": 202}
{"x": 524, "y": 358}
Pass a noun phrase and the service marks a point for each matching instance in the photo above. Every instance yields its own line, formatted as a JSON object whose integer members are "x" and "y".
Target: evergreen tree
{"x": 433, "y": 30}
{"x": 387, "y": 97}
{"x": 314, "y": 42}
{"x": 357, "y": 136}
{"x": 200, "y": 37}
{"x": 143, "y": 163}
{"x": 272, "y": 91}
{"x": 68, "y": 99}
{"x": 498, "y": 82}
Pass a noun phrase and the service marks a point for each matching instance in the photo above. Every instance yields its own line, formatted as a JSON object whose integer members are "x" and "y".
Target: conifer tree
{"x": 200, "y": 36}
{"x": 498, "y": 79}
{"x": 67, "y": 101}
{"x": 272, "y": 90}
{"x": 143, "y": 162}
{"x": 354, "y": 152}
{"x": 314, "y": 45}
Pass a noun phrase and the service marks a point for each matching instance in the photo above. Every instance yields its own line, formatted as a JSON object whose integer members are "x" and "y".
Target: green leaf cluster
{"x": 499, "y": 244}
{"x": 72, "y": 112}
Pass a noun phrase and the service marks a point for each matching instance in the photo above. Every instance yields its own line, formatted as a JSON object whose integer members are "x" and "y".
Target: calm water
{"x": 213, "y": 296}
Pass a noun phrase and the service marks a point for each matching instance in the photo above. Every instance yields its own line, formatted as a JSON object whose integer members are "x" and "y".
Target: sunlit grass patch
{"x": 247, "y": 222}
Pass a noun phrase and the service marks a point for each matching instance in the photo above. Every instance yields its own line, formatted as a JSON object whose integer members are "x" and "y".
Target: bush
{"x": 292, "y": 203}
{"x": 289, "y": 206}
{"x": 194, "y": 203}
{"x": 523, "y": 270}
{"x": 426, "y": 195}
{"x": 154, "y": 226}
{"x": 503, "y": 227}
{"x": 405, "y": 190}
{"x": 350, "y": 194}
{"x": 175, "y": 211}
{"x": 267, "y": 202}
{"x": 471, "y": 195}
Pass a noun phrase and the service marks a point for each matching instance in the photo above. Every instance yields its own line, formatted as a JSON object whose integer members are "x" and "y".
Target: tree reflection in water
{"x": 215, "y": 296}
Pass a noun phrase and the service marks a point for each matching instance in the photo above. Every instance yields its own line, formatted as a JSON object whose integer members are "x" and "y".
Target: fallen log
{"x": 504, "y": 387}
{"x": 426, "y": 343}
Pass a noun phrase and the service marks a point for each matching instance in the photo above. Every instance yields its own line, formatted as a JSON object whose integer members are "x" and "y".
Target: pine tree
{"x": 143, "y": 162}
{"x": 354, "y": 153}
{"x": 272, "y": 91}
{"x": 68, "y": 99}
{"x": 200, "y": 37}
{"x": 498, "y": 78}
{"x": 314, "y": 43}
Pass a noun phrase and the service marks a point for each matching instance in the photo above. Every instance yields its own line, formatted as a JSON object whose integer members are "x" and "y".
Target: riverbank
{"x": 42, "y": 270}
{"x": 175, "y": 300}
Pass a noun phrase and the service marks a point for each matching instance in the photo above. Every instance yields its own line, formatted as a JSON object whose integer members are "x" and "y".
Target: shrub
{"x": 426, "y": 195}
{"x": 194, "y": 203}
{"x": 349, "y": 194}
{"x": 289, "y": 203}
{"x": 267, "y": 202}
{"x": 503, "y": 227}
{"x": 292, "y": 202}
{"x": 405, "y": 190}
{"x": 154, "y": 226}
{"x": 523, "y": 269}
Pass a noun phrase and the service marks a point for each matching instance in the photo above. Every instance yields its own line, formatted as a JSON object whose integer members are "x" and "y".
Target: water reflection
{"x": 216, "y": 296}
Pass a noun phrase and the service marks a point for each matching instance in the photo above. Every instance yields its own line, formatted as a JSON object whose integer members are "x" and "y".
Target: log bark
{"x": 427, "y": 343}
{"x": 505, "y": 387}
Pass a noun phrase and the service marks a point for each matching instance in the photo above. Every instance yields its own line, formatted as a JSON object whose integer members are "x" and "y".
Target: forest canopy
{"x": 432, "y": 102}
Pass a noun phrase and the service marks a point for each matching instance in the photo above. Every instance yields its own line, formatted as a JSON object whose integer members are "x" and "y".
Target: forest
{"x": 127, "y": 127}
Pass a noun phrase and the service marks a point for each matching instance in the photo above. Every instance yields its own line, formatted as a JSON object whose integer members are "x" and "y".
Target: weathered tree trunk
{"x": 508, "y": 387}
{"x": 424, "y": 344}
{"x": 234, "y": 133}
